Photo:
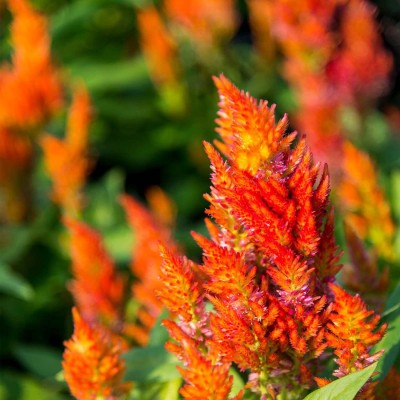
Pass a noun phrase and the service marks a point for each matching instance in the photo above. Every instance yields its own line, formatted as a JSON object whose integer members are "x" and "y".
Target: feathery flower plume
{"x": 260, "y": 21}
{"x": 92, "y": 363}
{"x": 97, "y": 288}
{"x": 30, "y": 91}
{"x": 269, "y": 266}
{"x": 30, "y": 87}
{"x": 334, "y": 59}
{"x": 205, "y": 372}
{"x": 205, "y": 22}
{"x": 352, "y": 331}
{"x": 150, "y": 231}
{"x": 363, "y": 202}
{"x": 66, "y": 160}
{"x": 158, "y": 46}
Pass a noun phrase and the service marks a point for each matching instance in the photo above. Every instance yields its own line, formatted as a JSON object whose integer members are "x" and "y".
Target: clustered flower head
{"x": 98, "y": 289}
{"x": 268, "y": 268}
{"x": 30, "y": 92}
{"x": 158, "y": 46}
{"x": 363, "y": 202}
{"x": 151, "y": 228}
{"x": 66, "y": 160}
{"x": 31, "y": 73}
{"x": 93, "y": 365}
{"x": 205, "y": 22}
{"x": 333, "y": 58}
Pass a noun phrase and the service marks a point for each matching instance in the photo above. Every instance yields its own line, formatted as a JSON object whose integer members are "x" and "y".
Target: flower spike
{"x": 92, "y": 363}
{"x": 269, "y": 267}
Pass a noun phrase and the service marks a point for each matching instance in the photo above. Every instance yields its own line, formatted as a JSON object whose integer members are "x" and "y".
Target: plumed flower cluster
{"x": 31, "y": 73}
{"x": 66, "y": 160}
{"x": 30, "y": 92}
{"x": 93, "y": 366}
{"x": 333, "y": 58}
{"x": 98, "y": 289}
{"x": 268, "y": 269}
{"x": 205, "y": 24}
{"x": 363, "y": 202}
{"x": 151, "y": 228}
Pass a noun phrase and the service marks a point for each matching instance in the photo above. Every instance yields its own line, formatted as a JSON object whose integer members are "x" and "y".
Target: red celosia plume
{"x": 334, "y": 59}
{"x": 269, "y": 266}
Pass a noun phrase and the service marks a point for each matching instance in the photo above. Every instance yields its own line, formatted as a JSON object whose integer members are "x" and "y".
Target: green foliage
{"x": 13, "y": 284}
{"x": 344, "y": 388}
{"x": 391, "y": 341}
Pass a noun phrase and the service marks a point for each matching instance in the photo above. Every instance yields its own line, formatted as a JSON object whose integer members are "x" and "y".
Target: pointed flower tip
{"x": 218, "y": 80}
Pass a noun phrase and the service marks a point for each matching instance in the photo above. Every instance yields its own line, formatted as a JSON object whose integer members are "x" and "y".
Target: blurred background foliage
{"x": 140, "y": 137}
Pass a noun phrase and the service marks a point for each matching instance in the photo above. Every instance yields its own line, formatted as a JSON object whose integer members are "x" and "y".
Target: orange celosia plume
{"x": 269, "y": 266}
{"x": 30, "y": 92}
{"x": 206, "y": 374}
{"x": 206, "y": 22}
{"x": 158, "y": 46}
{"x": 363, "y": 202}
{"x": 92, "y": 363}
{"x": 30, "y": 87}
{"x": 66, "y": 160}
{"x": 150, "y": 231}
{"x": 97, "y": 287}
{"x": 334, "y": 58}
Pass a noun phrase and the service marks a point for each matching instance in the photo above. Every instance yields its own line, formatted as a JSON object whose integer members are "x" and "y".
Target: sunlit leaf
{"x": 391, "y": 341}
{"x": 13, "y": 284}
{"x": 344, "y": 388}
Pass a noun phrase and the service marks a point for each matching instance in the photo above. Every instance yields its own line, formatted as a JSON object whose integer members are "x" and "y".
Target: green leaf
{"x": 238, "y": 383}
{"x": 152, "y": 363}
{"x": 107, "y": 76}
{"x": 18, "y": 387}
{"x": 156, "y": 390}
{"x": 42, "y": 361}
{"x": 395, "y": 189}
{"x": 13, "y": 284}
{"x": 159, "y": 334}
{"x": 391, "y": 341}
{"x": 344, "y": 388}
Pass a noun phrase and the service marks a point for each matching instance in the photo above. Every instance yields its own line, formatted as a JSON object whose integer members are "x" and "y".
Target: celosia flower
{"x": 97, "y": 288}
{"x": 206, "y": 22}
{"x": 30, "y": 87}
{"x": 260, "y": 17}
{"x": 150, "y": 231}
{"x": 92, "y": 363}
{"x": 352, "y": 331}
{"x": 158, "y": 46}
{"x": 66, "y": 160}
{"x": 363, "y": 202}
{"x": 268, "y": 267}
{"x": 205, "y": 372}
{"x": 334, "y": 59}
